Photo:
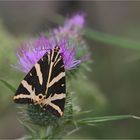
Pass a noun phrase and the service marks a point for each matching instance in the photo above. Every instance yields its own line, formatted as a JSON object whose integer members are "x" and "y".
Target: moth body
{"x": 44, "y": 85}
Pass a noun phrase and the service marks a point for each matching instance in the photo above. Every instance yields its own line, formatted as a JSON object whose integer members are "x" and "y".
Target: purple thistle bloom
{"x": 31, "y": 52}
{"x": 76, "y": 21}
{"x": 72, "y": 27}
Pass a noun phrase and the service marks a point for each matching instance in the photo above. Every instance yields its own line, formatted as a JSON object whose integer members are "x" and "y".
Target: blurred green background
{"x": 115, "y": 78}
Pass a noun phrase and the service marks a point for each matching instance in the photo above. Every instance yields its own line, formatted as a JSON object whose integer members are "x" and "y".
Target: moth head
{"x": 39, "y": 99}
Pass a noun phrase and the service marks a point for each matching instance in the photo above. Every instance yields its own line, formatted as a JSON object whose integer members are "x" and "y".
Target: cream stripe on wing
{"x": 57, "y": 108}
{"x": 56, "y": 57}
{"x": 49, "y": 58}
{"x": 58, "y": 96}
{"x": 39, "y": 74}
{"x": 49, "y": 100}
{"x": 57, "y": 61}
{"x": 32, "y": 95}
{"x": 50, "y": 71}
{"x": 56, "y": 79}
{"x": 29, "y": 88}
{"x": 53, "y": 98}
{"x": 22, "y": 96}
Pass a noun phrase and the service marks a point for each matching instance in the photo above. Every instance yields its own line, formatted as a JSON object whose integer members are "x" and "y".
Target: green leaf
{"x": 28, "y": 128}
{"x": 73, "y": 131}
{"x": 105, "y": 119}
{"x": 111, "y": 39}
{"x": 8, "y": 85}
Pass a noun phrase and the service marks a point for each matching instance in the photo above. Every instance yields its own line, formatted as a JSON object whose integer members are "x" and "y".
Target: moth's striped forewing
{"x": 45, "y": 84}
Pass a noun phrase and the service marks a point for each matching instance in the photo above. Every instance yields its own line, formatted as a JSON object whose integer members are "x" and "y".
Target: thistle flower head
{"x": 76, "y": 20}
{"x": 34, "y": 50}
{"x": 71, "y": 28}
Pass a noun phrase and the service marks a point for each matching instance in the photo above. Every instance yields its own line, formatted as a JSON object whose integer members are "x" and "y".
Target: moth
{"x": 45, "y": 84}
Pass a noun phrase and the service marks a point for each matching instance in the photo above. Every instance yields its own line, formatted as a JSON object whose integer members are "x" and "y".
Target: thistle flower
{"x": 31, "y": 52}
{"x": 67, "y": 37}
{"x": 72, "y": 28}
